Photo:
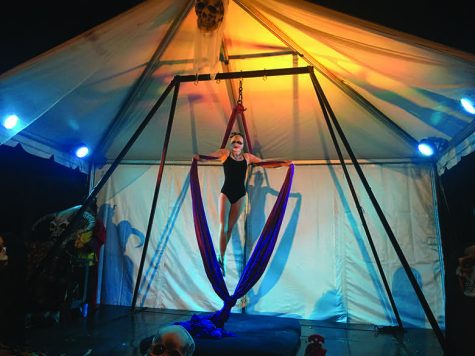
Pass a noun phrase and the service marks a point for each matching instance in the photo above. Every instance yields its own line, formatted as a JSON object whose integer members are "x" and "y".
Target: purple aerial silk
{"x": 259, "y": 259}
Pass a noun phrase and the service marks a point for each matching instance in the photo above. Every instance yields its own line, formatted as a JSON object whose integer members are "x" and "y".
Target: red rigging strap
{"x": 238, "y": 109}
{"x": 246, "y": 132}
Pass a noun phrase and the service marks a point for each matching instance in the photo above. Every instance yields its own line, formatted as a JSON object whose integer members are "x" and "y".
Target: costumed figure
{"x": 53, "y": 256}
{"x": 210, "y": 23}
{"x": 169, "y": 340}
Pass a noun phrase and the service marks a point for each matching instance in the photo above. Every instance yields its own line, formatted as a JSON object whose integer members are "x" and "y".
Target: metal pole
{"x": 155, "y": 195}
{"x": 92, "y": 195}
{"x": 392, "y": 238}
{"x": 244, "y": 74}
{"x": 358, "y": 205}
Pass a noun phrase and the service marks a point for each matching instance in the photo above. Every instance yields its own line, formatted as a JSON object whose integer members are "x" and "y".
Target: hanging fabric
{"x": 254, "y": 268}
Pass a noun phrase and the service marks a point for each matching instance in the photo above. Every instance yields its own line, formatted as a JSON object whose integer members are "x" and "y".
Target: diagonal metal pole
{"x": 157, "y": 191}
{"x": 407, "y": 268}
{"x": 358, "y": 205}
{"x": 75, "y": 220}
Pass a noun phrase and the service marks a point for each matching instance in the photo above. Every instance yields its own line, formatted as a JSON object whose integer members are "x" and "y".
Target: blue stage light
{"x": 82, "y": 151}
{"x": 10, "y": 122}
{"x": 426, "y": 149}
{"x": 468, "y": 105}
{"x": 432, "y": 145}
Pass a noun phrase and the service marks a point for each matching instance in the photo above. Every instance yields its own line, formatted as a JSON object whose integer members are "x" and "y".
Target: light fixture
{"x": 468, "y": 104}
{"x": 10, "y": 122}
{"x": 82, "y": 151}
{"x": 432, "y": 145}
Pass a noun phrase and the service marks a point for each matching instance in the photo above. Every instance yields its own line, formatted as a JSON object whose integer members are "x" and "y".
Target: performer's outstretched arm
{"x": 220, "y": 155}
{"x": 268, "y": 163}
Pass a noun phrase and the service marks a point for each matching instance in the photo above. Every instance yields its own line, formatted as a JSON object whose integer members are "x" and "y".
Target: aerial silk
{"x": 213, "y": 326}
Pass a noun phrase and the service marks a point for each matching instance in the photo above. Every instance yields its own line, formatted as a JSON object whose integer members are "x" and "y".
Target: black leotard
{"x": 234, "y": 176}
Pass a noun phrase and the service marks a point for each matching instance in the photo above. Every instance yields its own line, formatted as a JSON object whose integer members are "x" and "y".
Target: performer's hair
{"x": 235, "y": 133}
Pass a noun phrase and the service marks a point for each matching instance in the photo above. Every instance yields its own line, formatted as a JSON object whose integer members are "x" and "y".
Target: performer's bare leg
{"x": 224, "y": 207}
{"x": 234, "y": 213}
{"x": 228, "y": 216}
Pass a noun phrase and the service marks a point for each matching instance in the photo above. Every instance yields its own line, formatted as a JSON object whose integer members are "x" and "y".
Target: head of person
{"x": 236, "y": 141}
{"x": 172, "y": 340}
{"x": 3, "y": 251}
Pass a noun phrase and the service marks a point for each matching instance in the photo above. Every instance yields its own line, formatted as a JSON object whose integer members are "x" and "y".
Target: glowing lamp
{"x": 432, "y": 145}
{"x": 468, "y": 105}
{"x": 10, "y": 122}
{"x": 82, "y": 151}
{"x": 425, "y": 148}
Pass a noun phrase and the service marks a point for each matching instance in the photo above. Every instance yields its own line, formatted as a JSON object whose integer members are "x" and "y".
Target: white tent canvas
{"x": 388, "y": 90}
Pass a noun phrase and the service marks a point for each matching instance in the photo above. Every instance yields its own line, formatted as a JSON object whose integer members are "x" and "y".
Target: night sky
{"x": 29, "y": 29}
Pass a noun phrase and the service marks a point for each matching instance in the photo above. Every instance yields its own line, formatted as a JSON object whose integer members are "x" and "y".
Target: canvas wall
{"x": 322, "y": 267}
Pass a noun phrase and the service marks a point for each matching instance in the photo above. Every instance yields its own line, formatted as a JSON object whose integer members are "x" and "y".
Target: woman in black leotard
{"x": 231, "y": 198}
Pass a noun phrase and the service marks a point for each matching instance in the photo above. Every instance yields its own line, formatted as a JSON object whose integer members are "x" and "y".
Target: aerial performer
{"x": 233, "y": 192}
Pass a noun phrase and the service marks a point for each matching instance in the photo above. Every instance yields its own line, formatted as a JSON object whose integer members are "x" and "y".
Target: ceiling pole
{"x": 142, "y": 82}
{"x": 402, "y": 258}
{"x": 244, "y": 74}
{"x": 252, "y": 11}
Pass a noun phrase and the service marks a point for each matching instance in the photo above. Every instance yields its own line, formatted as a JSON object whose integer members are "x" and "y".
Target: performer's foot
{"x": 221, "y": 266}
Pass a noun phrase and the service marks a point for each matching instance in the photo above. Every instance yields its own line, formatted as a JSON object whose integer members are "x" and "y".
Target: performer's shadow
{"x": 118, "y": 268}
{"x": 255, "y": 223}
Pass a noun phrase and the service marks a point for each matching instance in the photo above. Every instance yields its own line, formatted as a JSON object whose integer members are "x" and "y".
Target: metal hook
{"x": 196, "y": 80}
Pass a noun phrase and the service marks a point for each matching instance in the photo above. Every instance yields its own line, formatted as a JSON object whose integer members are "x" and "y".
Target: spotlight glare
{"x": 426, "y": 149}
{"x": 82, "y": 152}
{"x": 10, "y": 122}
{"x": 468, "y": 105}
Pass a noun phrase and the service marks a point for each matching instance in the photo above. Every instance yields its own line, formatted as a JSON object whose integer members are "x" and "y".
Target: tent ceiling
{"x": 108, "y": 79}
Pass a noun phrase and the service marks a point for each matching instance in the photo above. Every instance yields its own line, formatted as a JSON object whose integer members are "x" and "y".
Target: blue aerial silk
{"x": 212, "y": 326}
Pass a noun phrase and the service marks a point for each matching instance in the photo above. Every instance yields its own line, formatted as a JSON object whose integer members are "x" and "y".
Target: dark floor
{"x": 118, "y": 331}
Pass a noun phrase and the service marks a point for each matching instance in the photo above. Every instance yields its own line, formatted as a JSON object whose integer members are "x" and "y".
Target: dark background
{"x": 32, "y": 187}
{"x": 30, "y": 28}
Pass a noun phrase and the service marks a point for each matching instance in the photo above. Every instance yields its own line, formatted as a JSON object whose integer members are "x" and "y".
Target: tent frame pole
{"x": 156, "y": 192}
{"x": 387, "y": 227}
{"x": 325, "y": 110}
{"x": 118, "y": 159}
{"x": 244, "y": 74}
{"x": 176, "y": 82}
{"x": 75, "y": 219}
